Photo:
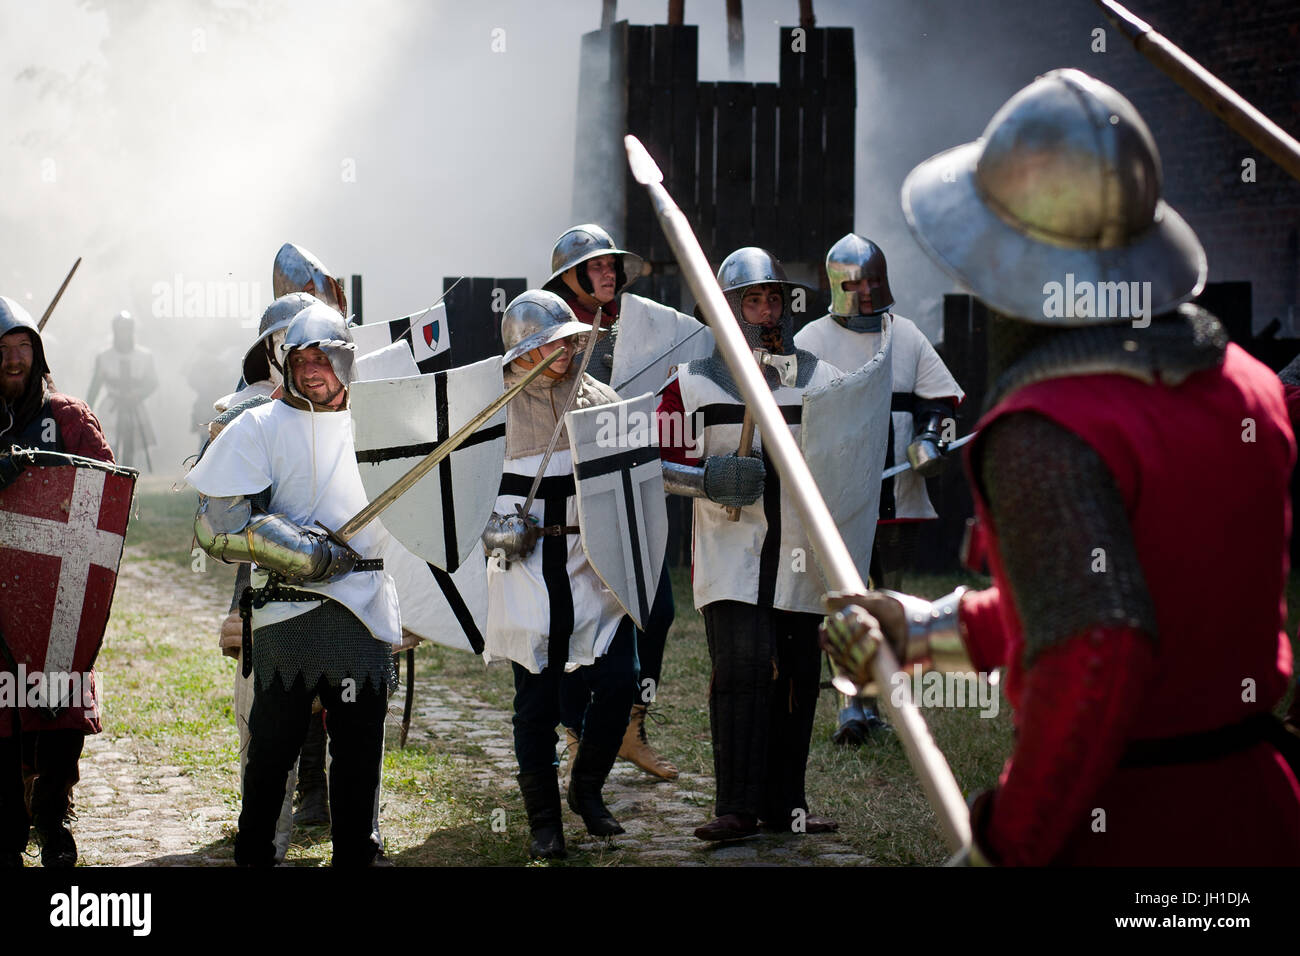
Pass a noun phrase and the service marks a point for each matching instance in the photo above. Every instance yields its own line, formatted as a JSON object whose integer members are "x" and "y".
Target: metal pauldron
{"x": 686, "y": 480}
{"x": 226, "y": 528}
{"x": 934, "y": 631}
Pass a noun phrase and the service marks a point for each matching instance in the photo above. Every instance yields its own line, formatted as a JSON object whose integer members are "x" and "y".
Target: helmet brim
{"x": 1010, "y": 270}
{"x": 546, "y": 336}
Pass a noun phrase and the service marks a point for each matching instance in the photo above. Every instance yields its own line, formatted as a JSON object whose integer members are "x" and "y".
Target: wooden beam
{"x": 736, "y": 38}
{"x": 676, "y": 12}
{"x": 806, "y": 18}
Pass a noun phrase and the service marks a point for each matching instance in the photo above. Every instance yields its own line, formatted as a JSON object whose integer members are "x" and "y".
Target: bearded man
{"x": 31, "y": 742}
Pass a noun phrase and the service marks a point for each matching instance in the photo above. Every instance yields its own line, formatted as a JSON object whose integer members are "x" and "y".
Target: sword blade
{"x": 836, "y": 562}
{"x": 907, "y": 465}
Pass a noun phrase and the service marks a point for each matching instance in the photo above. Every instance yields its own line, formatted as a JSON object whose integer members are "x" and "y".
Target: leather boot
{"x": 541, "y": 792}
{"x": 571, "y": 740}
{"x": 585, "y": 782}
{"x": 313, "y": 789}
{"x": 57, "y": 755}
{"x": 638, "y": 750}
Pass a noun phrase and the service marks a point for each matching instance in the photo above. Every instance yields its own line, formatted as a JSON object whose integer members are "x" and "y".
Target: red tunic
{"x": 1203, "y": 471}
{"x": 79, "y": 433}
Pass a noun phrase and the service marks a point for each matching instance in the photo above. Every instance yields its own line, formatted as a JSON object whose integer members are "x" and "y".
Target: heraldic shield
{"x": 845, "y": 426}
{"x": 62, "y": 526}
{"x": 620, "y": 488}
{"x": 398, "y": 422}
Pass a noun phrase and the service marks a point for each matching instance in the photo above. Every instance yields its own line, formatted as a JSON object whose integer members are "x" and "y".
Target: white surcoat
{"x": 765, "y": 558}
{"x": 918, "y": 373}
{"x": 308, "y": 461}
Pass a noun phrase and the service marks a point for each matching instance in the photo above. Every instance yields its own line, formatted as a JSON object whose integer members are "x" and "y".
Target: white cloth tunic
{"x": 523, "y": 606}
{"x": 766, "y": 557}
{"x": 308, "y": 461}
{"x": 918, "y": 373}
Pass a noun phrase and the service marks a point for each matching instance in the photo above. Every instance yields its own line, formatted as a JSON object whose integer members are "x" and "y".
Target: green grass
{"x": 166, "y": 684}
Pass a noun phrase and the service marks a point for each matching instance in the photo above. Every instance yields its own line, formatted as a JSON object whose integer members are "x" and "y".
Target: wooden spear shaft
{"x": 833, "y": 556}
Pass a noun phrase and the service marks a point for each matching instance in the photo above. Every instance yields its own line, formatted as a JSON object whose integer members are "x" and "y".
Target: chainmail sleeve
{"x": 1089, "y": 634}
{"x": 1063, "y": 534}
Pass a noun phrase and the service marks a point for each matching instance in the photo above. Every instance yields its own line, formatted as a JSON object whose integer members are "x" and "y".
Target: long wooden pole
{"x": 832, "y": 555}
{"x": 1210, "y": 91}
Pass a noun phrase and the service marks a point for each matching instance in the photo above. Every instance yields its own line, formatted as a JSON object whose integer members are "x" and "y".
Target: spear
{"x": 837, "y": 564}
{"x": 40, "y": 326}
{"x": 1212, "y": 93}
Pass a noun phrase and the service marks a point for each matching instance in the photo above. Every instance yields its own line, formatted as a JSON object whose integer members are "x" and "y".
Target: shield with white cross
{"x": 620, "y": 490}
{"x": 398, "y": 422}
{"x": 62, "y": 526}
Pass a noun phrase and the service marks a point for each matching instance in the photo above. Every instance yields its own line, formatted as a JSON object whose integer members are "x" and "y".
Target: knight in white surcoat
{"x": 754, "y": 578}
{"x": 547, "y": 608}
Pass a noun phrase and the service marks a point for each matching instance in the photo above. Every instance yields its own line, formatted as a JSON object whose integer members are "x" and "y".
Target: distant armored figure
{"x": 128, "y": 374}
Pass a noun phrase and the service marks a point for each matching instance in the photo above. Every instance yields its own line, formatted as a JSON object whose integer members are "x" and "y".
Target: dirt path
{"x": 138, "y": 807}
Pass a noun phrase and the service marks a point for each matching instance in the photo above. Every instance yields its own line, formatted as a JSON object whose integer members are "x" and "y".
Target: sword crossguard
{"x": 334, "y": 537}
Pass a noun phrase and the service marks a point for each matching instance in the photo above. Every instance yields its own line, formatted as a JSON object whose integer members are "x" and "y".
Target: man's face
{"x": 761, "y": 304}
{"x": 16, "y": 356}
{"x": 604, "y": 279}
{"x": 561, "y": 364}
{"x": 314, "y": 377}
{"x": 863, "y": 288}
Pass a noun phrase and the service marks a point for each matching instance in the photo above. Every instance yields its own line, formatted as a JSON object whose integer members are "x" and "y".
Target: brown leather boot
{"x": 571, "y": 741}
{"x": 638, "y": 750}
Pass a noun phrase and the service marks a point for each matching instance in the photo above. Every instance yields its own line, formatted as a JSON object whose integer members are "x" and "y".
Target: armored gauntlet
{"x": 228, "y": 528}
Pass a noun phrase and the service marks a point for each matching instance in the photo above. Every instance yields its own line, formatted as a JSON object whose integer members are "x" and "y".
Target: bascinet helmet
{"x": 321, "y": 327}
{"x": 588, "y": 241}
{"x": 296, "y": 270}
{"x": 851, "y": 259}
{"x": 262, "y": 360}
{"x": 14, "y": 317}
{"x": 1063, "y": 188}
{"x": 536, "y": 318}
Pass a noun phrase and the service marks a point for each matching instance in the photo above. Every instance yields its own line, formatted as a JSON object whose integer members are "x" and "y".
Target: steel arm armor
{"x": 230, "y": 529}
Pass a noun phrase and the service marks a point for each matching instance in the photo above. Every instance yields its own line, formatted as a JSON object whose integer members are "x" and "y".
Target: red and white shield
{"x": 62, "y": 527}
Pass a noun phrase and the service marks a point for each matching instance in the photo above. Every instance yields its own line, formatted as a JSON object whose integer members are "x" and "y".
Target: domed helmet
{"x": 585, "y": 242}
{"x": 14, "y": 317}
{"x": 1063, "y": 189}
{"x": 262, "y": 360}
{"x": 751, "y": 266}
{"x": 851, "y": 259}
{"x": 297, "y": 270}
{"x": 536, "y": 318}
{"x": 319, "y": 326}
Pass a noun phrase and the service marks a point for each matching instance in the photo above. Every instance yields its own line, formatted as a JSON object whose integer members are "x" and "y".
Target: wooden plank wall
{"x": 474, "y": 317}
{"x": 768, "y": 164}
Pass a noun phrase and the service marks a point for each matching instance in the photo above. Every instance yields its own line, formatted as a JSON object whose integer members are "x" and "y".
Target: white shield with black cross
{"x": 845, "y": 427}
{"x": 620, "y": 489}
{"x": 398, "y": 422}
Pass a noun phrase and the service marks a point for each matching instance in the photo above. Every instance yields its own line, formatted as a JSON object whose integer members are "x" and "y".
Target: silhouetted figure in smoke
{"x": 127, "y": 371}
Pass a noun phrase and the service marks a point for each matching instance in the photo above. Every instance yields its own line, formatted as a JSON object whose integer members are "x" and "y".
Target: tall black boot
{"x": 541, "y": 792}
{"x": 57, "y": 753}
{"x": 313, "y": 790}
{"x": 590, "y": 769}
